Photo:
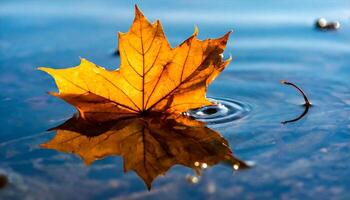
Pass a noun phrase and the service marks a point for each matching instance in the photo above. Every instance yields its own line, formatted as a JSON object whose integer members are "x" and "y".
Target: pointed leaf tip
{"x": 55, "y": 94}
{"x": 138, "y": 12}
{"x": 228, "y": 34}
{"x": 196, "y": 30}
{"x": 82, "y": 59}
{"x": 44, "y": 69}
{"x": 149, "y": 186}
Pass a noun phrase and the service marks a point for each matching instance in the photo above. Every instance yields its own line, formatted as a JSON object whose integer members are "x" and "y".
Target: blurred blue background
{"x": 271, "y": 40}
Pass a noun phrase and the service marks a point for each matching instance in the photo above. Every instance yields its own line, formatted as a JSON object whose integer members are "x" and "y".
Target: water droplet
{"x": 204, "y": 165}
{"x": 192, "y": 179}
{"x": 196, "y": 164}
{"x": 336, "y": 25}
{"x": 321, "y": 22}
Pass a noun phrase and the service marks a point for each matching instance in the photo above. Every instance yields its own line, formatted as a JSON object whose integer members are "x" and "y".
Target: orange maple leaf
{"x": 153, "y": 77}
{"x": 150, "y": 146}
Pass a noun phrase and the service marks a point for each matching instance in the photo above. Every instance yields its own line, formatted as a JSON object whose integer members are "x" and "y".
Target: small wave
{"x": 225, "y": 111}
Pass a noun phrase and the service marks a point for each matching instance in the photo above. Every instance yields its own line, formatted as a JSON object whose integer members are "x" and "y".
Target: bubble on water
{"x": 321, "y": 22}
{"x": 192, "y": 179}
{"x": 196, "y": 164}
{"x": 204, "y": 165}
{"x": 225, "y": 111}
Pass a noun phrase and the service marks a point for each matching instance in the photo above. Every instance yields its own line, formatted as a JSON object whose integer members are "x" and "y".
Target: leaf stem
{"x": 307, "y": 102}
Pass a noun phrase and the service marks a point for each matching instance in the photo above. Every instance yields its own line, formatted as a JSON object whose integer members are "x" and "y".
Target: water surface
{"x": 271, "y": 41}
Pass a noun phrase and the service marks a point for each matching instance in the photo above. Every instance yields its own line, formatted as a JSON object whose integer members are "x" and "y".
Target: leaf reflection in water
{"x": 149, "y": 145}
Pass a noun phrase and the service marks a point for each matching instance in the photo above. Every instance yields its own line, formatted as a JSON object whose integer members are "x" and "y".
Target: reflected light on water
{"x": 204, "y": 165}
{"x": 196, "y": 164}
{"x": 192, "y": 179}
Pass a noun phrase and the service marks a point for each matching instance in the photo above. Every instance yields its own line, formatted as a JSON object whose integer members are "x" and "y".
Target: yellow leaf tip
{"x": 83, "y": 61}
{"x": 44, "y": 69}
{"x": 196, "y": 30}
{"x": 120, "y": 35}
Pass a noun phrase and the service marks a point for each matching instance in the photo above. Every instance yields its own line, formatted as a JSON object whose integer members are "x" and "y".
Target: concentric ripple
{"x": 225, "y": 111}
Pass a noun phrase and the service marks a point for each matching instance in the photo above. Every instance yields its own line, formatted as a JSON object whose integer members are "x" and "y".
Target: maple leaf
{"x": 153, "y": 77}
{"x": 149, "y": 145}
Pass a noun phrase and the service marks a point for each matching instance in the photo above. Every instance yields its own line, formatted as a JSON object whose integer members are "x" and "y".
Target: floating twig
{"x": 306, "y": 105}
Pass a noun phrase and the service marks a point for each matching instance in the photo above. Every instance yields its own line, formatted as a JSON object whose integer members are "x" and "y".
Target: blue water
{"x": 271, "y": 41}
